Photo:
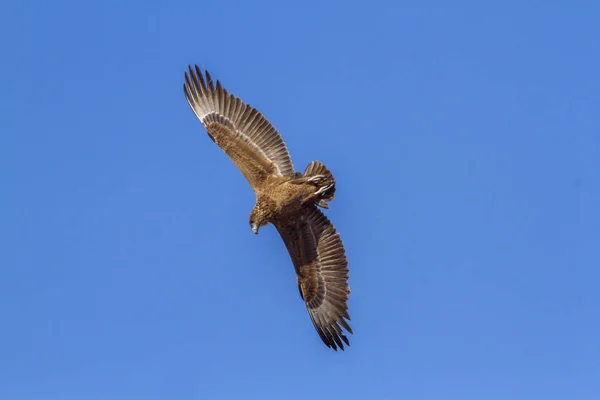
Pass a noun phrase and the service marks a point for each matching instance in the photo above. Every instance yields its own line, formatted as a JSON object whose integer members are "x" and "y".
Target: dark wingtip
{"x": 209, "y": 81}
{"x": 345, "y": 339}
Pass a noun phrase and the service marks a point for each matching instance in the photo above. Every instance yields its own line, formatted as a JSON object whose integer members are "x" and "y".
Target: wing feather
{"x": 237, "y": 123}
{"x": 321, "y": 267}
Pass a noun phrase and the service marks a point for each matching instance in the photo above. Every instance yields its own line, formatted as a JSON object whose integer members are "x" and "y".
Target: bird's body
{"x": 285, "y": 198}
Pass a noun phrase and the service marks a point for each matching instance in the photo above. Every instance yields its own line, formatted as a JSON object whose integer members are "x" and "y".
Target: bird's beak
{"x": 255, "y": 228}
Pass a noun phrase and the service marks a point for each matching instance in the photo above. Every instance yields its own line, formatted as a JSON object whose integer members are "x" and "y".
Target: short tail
{"x": 318, "y": 175}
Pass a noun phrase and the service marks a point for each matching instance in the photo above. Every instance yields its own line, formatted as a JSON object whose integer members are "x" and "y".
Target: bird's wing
{"x": 321, "y": 267}
{"x": 241, "y": 131}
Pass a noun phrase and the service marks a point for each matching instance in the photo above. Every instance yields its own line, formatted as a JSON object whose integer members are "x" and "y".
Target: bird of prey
{"x": 285, "y": 198}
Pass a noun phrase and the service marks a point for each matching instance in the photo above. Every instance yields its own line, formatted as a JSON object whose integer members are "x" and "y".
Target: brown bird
{"x": 285, "y": 198}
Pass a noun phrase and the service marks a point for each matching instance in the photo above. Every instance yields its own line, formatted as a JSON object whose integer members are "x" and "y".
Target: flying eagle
{"x": 284, "y": 197}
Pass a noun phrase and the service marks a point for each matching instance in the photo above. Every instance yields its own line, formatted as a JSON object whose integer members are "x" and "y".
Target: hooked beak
{"x": 254, "y": 228}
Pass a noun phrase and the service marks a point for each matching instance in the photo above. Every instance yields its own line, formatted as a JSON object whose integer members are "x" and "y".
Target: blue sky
{"x": 465, "y": 142}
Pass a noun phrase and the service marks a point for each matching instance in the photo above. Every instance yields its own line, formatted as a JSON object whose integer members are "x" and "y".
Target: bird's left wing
{"x": 240, "y": 130}
{"x": 321, "y": 267}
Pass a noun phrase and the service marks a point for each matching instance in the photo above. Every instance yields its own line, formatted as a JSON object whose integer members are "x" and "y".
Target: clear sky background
{"x": 465, "y": 141}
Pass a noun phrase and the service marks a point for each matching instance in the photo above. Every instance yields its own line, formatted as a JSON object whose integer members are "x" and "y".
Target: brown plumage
{"x": 285, "y": 198}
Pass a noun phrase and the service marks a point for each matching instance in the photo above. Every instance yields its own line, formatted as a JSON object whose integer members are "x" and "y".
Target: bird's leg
{"x": 312, "y": 198}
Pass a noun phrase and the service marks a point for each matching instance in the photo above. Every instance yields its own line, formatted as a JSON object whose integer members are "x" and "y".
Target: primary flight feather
{"x": 284, "y": 197}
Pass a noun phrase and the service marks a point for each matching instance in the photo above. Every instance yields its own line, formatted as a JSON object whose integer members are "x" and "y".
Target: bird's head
{"x": 260, "y": 216}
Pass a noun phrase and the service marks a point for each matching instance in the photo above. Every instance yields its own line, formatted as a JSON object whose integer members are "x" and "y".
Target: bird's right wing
{"x": 247, "y": 137}
{"x": 321, "y": 267}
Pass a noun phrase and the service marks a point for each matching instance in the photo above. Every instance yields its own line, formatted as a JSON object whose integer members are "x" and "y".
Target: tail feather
{"x": 316, "y": 168}
{"x": 318, "y": 174}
